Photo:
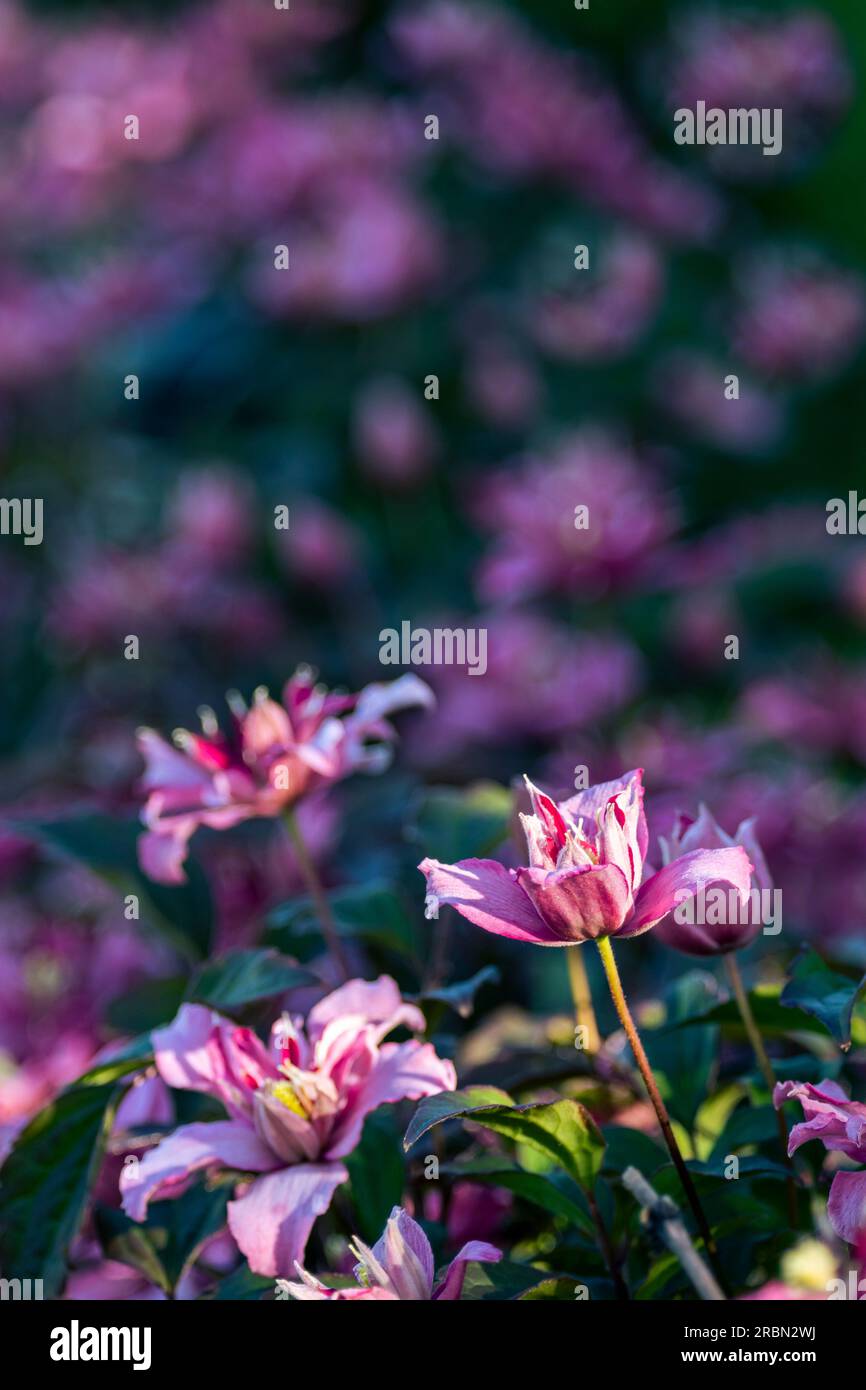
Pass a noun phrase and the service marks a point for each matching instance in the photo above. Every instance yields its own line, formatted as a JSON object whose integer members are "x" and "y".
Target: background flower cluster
{"x": 414, "y": 258}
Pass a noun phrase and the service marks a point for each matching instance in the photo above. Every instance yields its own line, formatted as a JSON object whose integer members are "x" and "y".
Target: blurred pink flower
{"x": 399, "y": 1267}
{"x": 741, "y": 919}
{"x": 532, "y": 512}
{"x": 612, "y": 306}
{"x": 585, "y": 875}
{"x": 798, "y": 317}
{"x": 297, "y": 1108}
{"x": 690, "y": 387}
{"x": 394, "y": 434}
{"x": 274, "y": 755}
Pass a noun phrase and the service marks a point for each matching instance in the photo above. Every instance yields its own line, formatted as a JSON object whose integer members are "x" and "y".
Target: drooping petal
{"x": 846, "y": 1205}
{"x": 161, "y": 855}
{"x": 272, "y": 1220}
{"x": 370, "y": 1001}
{"x": 488, "y": 894}
{"x": 201, "y": 1051}
{"x": 838, "y": 1122}
{"x": 579, "y": 904}
{"x": 166, "y": 766}
{"x": 401, "y": 1071}
{"x": 165, "y": 1171}
{"x": 406, "y": 1255}
{"x": 452, "y": 1285}
{"x": 386, "y": 697}
{"x": 682, "y": 879}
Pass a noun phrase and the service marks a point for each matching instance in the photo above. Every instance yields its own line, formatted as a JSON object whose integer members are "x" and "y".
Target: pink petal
{"x": 579, "y": 904}
{"x": 683, "y": 878}
{"x": 452, "y": 1285}
{"x": 161, "y": 856}
{"x": 402, "y": 1071}
{"x": 386, "y": 697}
{"x": 587, "y": 804}
{"x": 272, "y": 1221}
{"x": 371, "y": 1001}
{"x": 165, "y": 1171}
{"x": 846, "y": 1206}
{"x": 201, "y": 1051}
{"x": 166, "y": 766}
{"x": 488, "y": 894}
{"x": 406, "y": 1255}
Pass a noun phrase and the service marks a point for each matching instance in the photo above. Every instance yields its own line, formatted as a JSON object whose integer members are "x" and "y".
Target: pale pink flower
{"x": 274, "y": 755}
{"x": 398, "y": 1268}
{"x": 296, "y": 1108}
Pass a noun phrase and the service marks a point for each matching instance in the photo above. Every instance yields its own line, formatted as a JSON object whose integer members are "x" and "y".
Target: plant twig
{"x": 314, "y": 887}
{"x": 664, "y": 1217}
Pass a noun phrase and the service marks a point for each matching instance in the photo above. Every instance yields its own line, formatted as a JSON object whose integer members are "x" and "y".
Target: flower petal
{"x": 587, "y": 804}
{"x": 272, "y": 1220}
{"x": 683, "y": 878}
{"x": 452, "y": 1285}
{"x": 201, "y": 1051}
{"x": 486, "y": 893}
{"x": 579, "y": 904}
{"x": 165, "y": 1171}
{"x": 407, "y": 1257}
{"x": 401, "y": 1071}
{"x": 370, "y": 1001}
{"x": 846, "y": 1206}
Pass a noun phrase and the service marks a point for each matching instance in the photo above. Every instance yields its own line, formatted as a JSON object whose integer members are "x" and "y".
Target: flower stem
{"x": 607, "y": 1250}
{"x": 624, "y": 1013}
{"x": 313, "y": 883}
{"x": 581, "y": 994}
{"x": 765, "y": 1067}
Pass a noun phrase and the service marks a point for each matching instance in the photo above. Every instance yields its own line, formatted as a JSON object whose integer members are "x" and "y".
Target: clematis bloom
{"x": 840, "y": 1124}
{"x": 296, "y": 1108}
{"x": 585, "y": 878}
{"x": 275, "y": 753}
{"x": 399, "y": 1267}
{"x": 738, "y": 922}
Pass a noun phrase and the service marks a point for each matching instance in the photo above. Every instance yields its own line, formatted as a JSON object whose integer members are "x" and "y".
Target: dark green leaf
{"x": 376, "y": 1173}
{"x": 450, "y": 1105}
{"x": 245, "y": 976}
{"x": 45, "y": 1181}
{"x": 172, "y": 1238}
{"x": 461, "y": 997}
{"x": 469, "y": 823}
{"x": 823, "y": 993}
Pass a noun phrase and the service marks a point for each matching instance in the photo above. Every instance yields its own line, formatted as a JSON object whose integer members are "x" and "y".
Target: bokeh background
{"x": 258, "y": 388}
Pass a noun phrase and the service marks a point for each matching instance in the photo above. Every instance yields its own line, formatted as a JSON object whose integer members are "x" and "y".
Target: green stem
{"x": 765, "y": 1067}
{"x": 581, "y": 994}
{"x": 610, "y": 1259}
{"x": 624, "y": 1014}
{"x": 314, "y": 887}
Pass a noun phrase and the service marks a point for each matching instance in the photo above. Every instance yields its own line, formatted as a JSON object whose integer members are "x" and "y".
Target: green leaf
{"x": 172, "y": 1238}
{"x": 246, "y": 976}
{"x": 450, "y": 1105}
{"x": 376, "y": 1173}
{"x": 372, "y": 912}
{"x": 181, "y": 912}
{"x": 47, "y": 1176}
{"x": 461, "y": 997}
{"x": 506, "y": 1280}
{"x": 823, "y": 993}
{"x": 468, "y": 823}
{"x": 629, "y": 1148}
{"x": 562, "y": 1130}
{"x": 541, "y": 1191}
{"x": 243, "y": 1285}
{"x": 683, "y": 1063}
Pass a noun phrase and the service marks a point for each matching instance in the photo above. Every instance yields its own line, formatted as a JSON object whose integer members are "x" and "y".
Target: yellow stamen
{"x": 285, "y": 1093}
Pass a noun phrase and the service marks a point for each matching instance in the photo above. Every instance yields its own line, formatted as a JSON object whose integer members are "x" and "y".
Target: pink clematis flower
{"x": 295, "y": 1109}
{"x": 275, "y": 754}
{"x": 399, "y": 1266}
{"x": 585, "y": 875}
{"x": 739, "y": 920}
{"x": 840, "y": 1124}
